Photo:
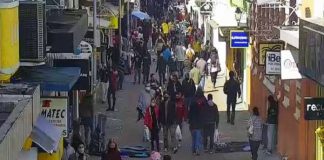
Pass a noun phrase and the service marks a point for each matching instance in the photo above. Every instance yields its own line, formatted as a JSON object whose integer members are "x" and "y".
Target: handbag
{"x": 250, "y": 129}
{"x": 216, "y": 136}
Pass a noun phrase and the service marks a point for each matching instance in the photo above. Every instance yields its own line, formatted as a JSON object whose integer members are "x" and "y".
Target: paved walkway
{"x": 123, "y": 127}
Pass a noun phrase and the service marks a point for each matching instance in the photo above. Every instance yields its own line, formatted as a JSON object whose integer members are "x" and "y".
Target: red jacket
{"x": 148, "y": 121}
{"x": 113, "y": 81}
{"x": 181, "y": 110}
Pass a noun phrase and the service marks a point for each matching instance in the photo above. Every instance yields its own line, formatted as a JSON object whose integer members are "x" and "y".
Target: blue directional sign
{"x": 239, "y": 39}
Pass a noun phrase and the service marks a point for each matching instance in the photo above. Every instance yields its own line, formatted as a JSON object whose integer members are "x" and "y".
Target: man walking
{"x": 189, "y": 90}
{"x": 137, "y": 67}
{"x": 202, "y": 66}
{"x": 113, "y": 77}
{"x": 195, "y": 75}
{"x": 180, "y": 57}
{"x": 272, "y": 122}
{"x": 146, "y": 67}
{"x": 161, "y": 69}
{"x": 232, "y": 90}
{"x": 103, "y": 73}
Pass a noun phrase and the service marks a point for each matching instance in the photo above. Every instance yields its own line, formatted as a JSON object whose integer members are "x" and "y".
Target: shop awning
{"x": 46, "y": 135}
{"x": 49, "y": 78}
{"x": 140, "y": 15}
{"x": 289, "y": 34}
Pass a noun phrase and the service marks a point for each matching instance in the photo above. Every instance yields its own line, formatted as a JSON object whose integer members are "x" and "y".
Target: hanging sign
{"x": 239, "y": 39}
{"x": 273, "y": 63}
{"x": 314, "y": 108}
{"x": 268, "y": 46}
{"x": 289, "y": 69}
{"x": 206, "y": 8}
{"x": 54, "y": 109}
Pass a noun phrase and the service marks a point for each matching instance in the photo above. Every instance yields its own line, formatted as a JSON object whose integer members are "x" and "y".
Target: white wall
{"x": 319, "y": 8}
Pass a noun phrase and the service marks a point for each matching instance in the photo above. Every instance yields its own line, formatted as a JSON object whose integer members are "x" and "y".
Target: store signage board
{"x": 239, "y": 39}
{"x": 314, "y": 108}
{"x": 264, "y": 47}
{"x": 273, "y": 63}
{"x": 54, "y": 109}
{"x": 289, "y": 69}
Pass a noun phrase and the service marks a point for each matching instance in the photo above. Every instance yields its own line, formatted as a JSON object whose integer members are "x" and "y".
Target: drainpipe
{"x": 287, "y": 8}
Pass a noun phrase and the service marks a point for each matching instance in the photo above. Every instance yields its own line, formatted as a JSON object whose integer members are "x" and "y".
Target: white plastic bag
{"x": 146, "y": 133}
{"x": 178, "y": 133}
{"x": 216, "y": 136}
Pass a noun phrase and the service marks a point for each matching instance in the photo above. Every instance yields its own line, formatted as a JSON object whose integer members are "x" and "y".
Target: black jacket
{"x": 188, "y": 88}
{"x": 167, "y": 113}
{"x": 196, "y": 113}
{"x": 161, "y": 65}
{"x": 232, "y": 88}
{"x": 172, "y": 89}
{"x": 210, "y": 114}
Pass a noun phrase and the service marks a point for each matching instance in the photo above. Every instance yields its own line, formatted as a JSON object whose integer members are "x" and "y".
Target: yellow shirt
{"x": 165, "y": 28}
{"x": 197, "y": 47}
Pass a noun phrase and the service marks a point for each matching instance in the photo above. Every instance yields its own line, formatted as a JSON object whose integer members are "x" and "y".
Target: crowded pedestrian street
{"x": 161, "y": 80}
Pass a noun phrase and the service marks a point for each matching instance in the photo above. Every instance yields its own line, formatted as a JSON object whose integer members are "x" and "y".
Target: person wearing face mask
{"x": 210, "y": 122}
{"x": 168, "y": 120}
{"x": 80, "y": 153}
{"x": 112, "y": 152}
{"x": 151, "y": 121}
{"x": 144, "y": 101}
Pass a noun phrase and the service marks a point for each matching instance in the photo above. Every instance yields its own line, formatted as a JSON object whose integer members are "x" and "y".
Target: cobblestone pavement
{"x": 123, "y": 127}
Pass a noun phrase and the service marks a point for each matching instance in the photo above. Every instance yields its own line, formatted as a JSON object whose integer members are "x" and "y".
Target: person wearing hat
{"x": 144, "y": 100}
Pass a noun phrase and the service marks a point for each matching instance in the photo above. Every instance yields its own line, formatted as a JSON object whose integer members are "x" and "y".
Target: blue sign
{"x": 239, "y": 39}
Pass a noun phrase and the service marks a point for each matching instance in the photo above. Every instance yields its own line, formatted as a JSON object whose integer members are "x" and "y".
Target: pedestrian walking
{"x": 86, "y": 113}
{"x": 137, "y": 61}
{"x": 180, "y": 54}
{"x": 215, "y": 67}
{"x": 202, "y": 66}
{"x": 232, "y": 90}
{"x": 159, "y": 45}
{"x": 121, "y": 74}
{"x": 195, "y": 75}
{"x": 112, "y": 152}
{"x": 113, "y": 78}
{"x": 103, "y": 74}
{"x": 188, "y": 89}
{"x": 174, "y": 87}
{"x": 182, "y": 113}
{"x": 255, "y": 132}
{"x": 68, "y": 150}
{"x": 161, "y": 69}
{"x": 144, "y": 101}
{"x": 146, "y": 67}
{"x": 80, "y": 153}
{"x": 187, "y": 66}
{"x": 168, "y": 122}
{"x": 272, "y": 122}
{"x": 190, "y": 53}
{"x": 151, "y": 120}
{"x": 196, "y": 121}
{"x": 210, "y": 121}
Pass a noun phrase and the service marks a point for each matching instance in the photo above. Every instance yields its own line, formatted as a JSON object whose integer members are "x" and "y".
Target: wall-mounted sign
{"x": 206, "y": 8}
{"x": 268, "y": 46}
{"x": 289, "y": 68}
{"x": 314, "y": 108}
{"x": 261, "y": 2}
{"x": 273, "y": 63}
{"x": 54, "y": 109}
{"x": 239, "y": 39}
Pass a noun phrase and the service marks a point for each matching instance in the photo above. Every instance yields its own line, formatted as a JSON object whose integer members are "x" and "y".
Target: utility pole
{"x": 128, "y": 25}
{"x": 119, "y": 28}
{"x": 95, "y": 45}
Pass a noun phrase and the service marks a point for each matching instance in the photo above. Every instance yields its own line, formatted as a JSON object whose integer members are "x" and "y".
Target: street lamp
{"x": 238, "y": 15}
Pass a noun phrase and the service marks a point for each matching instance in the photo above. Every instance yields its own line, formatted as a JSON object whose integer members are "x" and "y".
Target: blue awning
{"x": 49, "y": 78}
{"x": 141, "y": 15}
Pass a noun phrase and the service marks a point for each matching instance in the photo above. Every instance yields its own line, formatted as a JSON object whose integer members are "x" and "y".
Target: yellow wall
{"x": 9, "y": 40}
{"x": 305, "y": 4}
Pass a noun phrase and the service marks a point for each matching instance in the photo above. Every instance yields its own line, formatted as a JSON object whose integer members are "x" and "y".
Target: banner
{"x": 54, "y": 109}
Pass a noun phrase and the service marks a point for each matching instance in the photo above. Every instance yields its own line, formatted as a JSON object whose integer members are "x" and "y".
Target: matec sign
{"x": 314, "y": 108}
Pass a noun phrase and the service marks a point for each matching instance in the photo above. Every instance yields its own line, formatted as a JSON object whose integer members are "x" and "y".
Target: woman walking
{"x": 215, "y": 66}
{"x": 151, "y": 121}
{"x": 255, "y": 132}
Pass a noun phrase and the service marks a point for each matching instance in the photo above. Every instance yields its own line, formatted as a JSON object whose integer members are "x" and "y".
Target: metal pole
{"x": 120, "y": 36}
{"x": 95, "y": 45}
{"x": 128, "y": 25}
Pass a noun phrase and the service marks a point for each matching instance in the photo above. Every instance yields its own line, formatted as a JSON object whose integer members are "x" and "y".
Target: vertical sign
{"x": 54, "y": 109}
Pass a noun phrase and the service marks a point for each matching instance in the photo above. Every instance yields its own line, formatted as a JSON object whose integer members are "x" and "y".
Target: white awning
{"x": 46, "y": 135}
{"x": 290, "y": 35}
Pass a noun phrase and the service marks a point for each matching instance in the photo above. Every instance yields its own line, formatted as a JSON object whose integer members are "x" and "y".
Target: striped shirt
{"x": 257, "y": 128}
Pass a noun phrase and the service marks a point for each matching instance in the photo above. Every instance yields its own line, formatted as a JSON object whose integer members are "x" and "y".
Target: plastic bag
{"x": 178, "y": 133}
{"x": 146, "y": 133}
{"x": 216, "y": 136}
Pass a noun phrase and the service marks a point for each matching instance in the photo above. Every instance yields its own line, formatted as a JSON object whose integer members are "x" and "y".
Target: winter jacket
{"x": 148, "y": 119}
{"x": 172, "y": 65}
{"x": 113, "y": 81}
{"x": 210, "y": 114}
{"x": 137, "y": 62}
{"x": 103, "y": 74}
{"x": 161, "y": 65}
{"x": 180, "y": 53}
{"x": 196, "y": 113}
{"x": 188, "y": 88}
{"x": 232, "y": 88}
{"x": 173, "y": 89}
{"x": 166, "y": 55}
{"x": 181, "y": 110}
{"x": 167, "y": 111}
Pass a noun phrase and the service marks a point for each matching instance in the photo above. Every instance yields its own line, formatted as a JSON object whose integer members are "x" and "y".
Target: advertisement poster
{"x": 268, "y": 46}
{"x": 54, "y": 109}
{"x": 314, "y": 108}
{"x": 273, "y": 63}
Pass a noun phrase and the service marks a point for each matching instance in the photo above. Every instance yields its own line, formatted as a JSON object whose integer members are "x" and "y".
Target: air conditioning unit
{"x": 32, "y": 31}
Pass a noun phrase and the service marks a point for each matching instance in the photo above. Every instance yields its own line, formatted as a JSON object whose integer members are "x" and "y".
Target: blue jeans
{"x": 202, "y": 82}
{"x": 196, "y": 140}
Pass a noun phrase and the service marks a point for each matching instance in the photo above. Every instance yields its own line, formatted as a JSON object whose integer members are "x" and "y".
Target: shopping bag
{"x": 216, "y": 136}
{"x": 178, "y": 133}
{"x": 146, "y": 133}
